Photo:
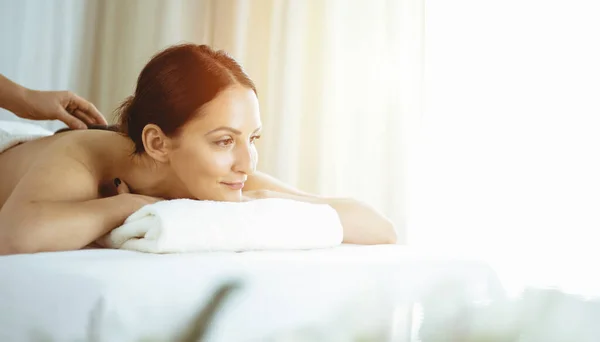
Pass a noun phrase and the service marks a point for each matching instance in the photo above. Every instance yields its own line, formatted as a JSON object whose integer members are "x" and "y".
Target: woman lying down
{"x": 187, "y": 132}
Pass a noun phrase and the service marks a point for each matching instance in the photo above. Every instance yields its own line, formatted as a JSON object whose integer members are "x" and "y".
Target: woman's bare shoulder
{"x": 60, "y": 167}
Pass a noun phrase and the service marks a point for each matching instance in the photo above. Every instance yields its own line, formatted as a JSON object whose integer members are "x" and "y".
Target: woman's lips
{"x": 234, "y": 186}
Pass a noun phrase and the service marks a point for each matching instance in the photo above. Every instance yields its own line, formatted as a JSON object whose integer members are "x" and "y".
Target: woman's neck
{"x": 145, "y": 176}
{"x": 142, "y": 174}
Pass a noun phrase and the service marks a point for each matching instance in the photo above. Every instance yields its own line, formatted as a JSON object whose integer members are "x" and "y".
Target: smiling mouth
{"x": 234, "y": 186}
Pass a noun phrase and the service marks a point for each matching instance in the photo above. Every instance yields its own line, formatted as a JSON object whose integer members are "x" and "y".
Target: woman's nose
{"x": 245, "y": 160}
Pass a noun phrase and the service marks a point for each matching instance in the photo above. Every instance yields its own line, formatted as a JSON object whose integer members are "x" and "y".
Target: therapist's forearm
{"x": 12, "y": 95}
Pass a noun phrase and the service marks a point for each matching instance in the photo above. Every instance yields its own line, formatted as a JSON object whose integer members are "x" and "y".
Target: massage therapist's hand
{"x": 65, "y": 106}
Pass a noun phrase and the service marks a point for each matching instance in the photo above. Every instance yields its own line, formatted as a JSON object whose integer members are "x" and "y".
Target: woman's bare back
{"x": 88, "y": 148}
{"x": 57, "y": 192}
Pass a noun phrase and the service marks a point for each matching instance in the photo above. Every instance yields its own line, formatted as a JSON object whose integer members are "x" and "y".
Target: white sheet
{"x": 114, "y": 295}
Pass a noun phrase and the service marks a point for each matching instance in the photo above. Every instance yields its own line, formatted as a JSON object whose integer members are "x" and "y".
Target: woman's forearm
{"x": 59, "y": 226}
{"x": 361, "y": 223}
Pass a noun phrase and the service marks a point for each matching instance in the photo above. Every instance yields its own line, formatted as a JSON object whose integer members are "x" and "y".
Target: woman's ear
{"x": 156, "y": 143}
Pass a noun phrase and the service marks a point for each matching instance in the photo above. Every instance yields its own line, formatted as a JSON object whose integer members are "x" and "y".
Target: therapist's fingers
{"x": 83, "y": 116}
{"x": 122, "y": 188}
{"x": 78, "y": 103}
{"x": 70, "y": 120}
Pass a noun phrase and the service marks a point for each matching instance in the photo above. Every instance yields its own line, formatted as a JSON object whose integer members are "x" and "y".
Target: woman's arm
{"x": 55, "y": 207}
{"x": 59, "y": 226}
{"x": 362, "y": 224}
{"x": 261, "y": 181}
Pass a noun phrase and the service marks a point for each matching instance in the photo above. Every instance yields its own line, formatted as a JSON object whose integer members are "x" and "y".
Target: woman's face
{"x": 214, "y": 152}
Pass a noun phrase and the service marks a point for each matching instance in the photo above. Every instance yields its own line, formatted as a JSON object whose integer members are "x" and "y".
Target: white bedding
{"x": 186, "y": 225}
{"x": 15, "y": 132}
{"x": 115, "y": 295}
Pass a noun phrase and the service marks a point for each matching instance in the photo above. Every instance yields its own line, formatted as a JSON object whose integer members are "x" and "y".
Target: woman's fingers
{"x": 122, "y": 188}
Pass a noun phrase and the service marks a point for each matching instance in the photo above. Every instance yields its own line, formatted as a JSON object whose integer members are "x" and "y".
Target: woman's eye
{"x": 225, "y": 142}
{"x": 254, "y": 138}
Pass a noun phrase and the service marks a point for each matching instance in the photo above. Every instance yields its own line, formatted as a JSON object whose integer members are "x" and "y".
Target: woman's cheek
{"x": 222, "y": 161}
{"x": 254, "y": 157}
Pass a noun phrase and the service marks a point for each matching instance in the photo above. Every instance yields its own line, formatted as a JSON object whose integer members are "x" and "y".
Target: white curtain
{"x": 510, "y": 156}
{"x": 339, "y": 81}
{"x": 41, "y": 44}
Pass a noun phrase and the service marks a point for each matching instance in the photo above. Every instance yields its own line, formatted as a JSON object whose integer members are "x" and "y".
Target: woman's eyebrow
{"x": 225, "y": 128}
{"x": 230, "y": 129}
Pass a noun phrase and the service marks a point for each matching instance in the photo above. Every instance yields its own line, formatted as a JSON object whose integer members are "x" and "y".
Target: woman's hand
{"x": 136, "y": 201}
{"x": 65, "y": 106}
{"x": 132, "y": 203}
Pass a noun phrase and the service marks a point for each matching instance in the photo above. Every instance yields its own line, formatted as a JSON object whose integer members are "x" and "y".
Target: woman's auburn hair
{"x": 173, "y": 87}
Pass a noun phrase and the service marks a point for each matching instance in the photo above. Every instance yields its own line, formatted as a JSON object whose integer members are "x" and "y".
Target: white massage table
{"x": 317, "y": 295}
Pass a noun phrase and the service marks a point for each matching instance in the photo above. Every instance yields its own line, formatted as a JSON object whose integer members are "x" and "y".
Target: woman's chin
{"x": 237, "y": 197}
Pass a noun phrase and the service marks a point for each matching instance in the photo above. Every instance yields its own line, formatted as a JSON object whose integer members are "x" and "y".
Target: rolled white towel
{"x": 15, "y": 132}
{"x": 185, "y": 225}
